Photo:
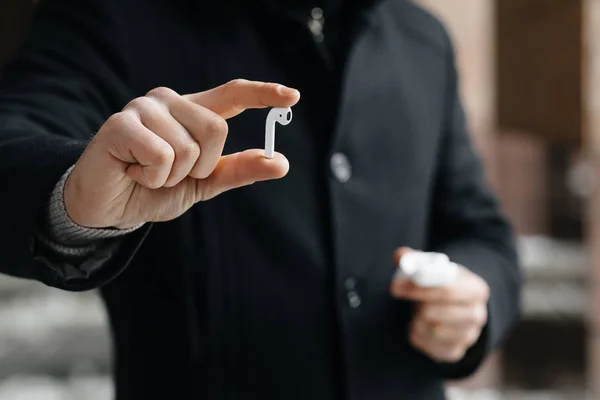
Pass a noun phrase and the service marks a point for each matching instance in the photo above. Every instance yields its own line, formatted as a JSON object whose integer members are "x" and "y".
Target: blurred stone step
{"x": 100, "y": 388}
{"x": 557, "y": 276}
{"x": 53, "y": 333}
{"x": 551, "y": 259}
{"x": 47, "y": 388}
{"x": 48, "y": 331}
{"x": 491, "y": 394}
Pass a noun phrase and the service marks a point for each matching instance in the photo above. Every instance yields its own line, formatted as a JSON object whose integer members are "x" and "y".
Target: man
{"x": 283, "y": 287}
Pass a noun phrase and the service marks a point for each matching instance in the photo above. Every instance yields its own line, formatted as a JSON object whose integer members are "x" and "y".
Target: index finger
{"x": 463, "y": 291}
{"x": 444, "y": 294}
{"x": 236, "y": 96}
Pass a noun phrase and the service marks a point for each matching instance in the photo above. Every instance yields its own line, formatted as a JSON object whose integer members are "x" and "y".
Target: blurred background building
{"x": 531, "y": 84}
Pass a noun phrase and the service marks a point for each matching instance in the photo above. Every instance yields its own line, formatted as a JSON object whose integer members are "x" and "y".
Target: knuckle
{"x": 188, "y": 150}
{"x": 217, "y": 126}
{"x": 120, "y": 120}
{"x": 235, "y": 83}
{"x": 166, "y": 155}
{"x": 162, "y": 154}
{"x": 140, "y": 103}
{"x": 161, "y": 92}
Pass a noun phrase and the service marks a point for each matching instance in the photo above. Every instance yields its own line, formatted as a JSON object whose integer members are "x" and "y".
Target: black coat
{"x": 281, "y": 289}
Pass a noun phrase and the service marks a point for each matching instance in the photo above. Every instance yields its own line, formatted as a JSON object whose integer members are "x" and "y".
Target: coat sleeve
{"x": 469, "y": 226}
{"x": 69, "y": 76}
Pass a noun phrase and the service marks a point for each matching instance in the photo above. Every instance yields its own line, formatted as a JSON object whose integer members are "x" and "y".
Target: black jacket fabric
{"x": 280, "y": 289}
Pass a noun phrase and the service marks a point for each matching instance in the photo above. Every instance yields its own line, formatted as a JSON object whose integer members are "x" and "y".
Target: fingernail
{"x": 286, "y": 91}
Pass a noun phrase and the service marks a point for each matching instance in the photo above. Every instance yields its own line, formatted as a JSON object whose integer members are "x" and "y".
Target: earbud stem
{"x": 277, "y": 114}
{"x": 270, "y": 138}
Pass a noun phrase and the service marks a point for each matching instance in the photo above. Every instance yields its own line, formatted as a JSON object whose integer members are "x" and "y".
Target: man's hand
{"x": 448, "y": 320}
{"x": 162, "y": 154}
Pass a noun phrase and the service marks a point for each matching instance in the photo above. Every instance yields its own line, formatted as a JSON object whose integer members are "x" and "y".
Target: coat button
{"x": 315, "y": 24}
{"x": 340, "y": 167}
{"x": 354, "y": 299}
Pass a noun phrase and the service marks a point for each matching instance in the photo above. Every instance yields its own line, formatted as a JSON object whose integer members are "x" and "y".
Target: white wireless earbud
{"x": 281, "y": 115}
{"x": 427, "y": 269}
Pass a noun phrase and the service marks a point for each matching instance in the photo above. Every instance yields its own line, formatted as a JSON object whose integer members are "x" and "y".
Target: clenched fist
{"x": 448, "y": 320}
{"x": 163, "y": 153}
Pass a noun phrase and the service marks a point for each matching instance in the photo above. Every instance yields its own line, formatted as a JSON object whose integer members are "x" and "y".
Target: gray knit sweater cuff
{"x": 64, "y": 231}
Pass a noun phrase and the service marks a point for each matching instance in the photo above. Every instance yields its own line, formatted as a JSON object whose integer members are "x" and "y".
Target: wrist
{"x": 85, "y": 215}
{"x": 68, "y": 192}
{"x": 66, "y": 225}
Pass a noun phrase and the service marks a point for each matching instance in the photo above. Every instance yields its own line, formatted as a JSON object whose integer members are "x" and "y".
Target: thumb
{"x": 400, "y": 252}
{"x": 401, "y": 284}
{"x": 241, "y": 169}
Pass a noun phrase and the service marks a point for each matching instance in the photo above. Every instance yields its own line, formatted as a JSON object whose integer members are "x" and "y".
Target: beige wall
{"x": 592, "y": 73}
{"x": 592, "y": 140}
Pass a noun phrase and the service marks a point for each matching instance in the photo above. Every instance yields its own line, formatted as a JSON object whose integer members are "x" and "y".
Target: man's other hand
{"x": 448, "y": 320}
